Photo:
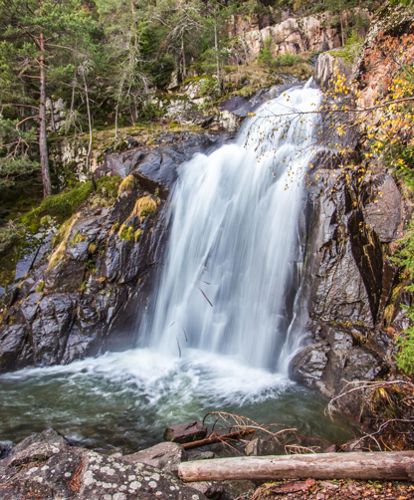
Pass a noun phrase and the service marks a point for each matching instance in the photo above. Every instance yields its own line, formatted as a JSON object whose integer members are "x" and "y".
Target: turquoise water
{"x": 125, "y": 400}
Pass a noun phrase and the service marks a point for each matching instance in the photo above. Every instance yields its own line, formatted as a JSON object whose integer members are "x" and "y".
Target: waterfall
{"x": 227, "y": 309}
{"x": 231, "y": 274}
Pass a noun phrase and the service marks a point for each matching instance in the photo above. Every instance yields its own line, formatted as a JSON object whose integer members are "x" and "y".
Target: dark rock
{"x": 199, "y": 455}
{"x": 264, "y": 446}
{"x": 213, "y": 490}
{"x": 184, "y": 433}
{"x": 158, "y": 166}
{"x": 337, "y": 359}
{"x": 384, "y": 213}
{"x": 46, "y": 466}
{"x": 308, "y": 365}
{"x": 12, "y": 339}
{"x": 5, "y": 449}
{"x": 237, "y": 105}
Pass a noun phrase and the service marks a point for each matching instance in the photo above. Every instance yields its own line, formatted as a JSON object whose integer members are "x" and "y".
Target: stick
{"x": 397, "y": 465}
{"x": 217, "y": 438}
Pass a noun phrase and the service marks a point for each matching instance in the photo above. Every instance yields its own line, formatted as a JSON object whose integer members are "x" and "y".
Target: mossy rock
{"x": 77, "y": 238}
{"x": 63, "y": 238}
{"x": 144, "y": 206}
{"x": 63, "y": 205}
{"x": 126, "y": 233}
{"x": 127, "y": 185}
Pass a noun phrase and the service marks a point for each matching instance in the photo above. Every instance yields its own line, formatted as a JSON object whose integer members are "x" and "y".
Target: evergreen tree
{"x": 42, "y": 44}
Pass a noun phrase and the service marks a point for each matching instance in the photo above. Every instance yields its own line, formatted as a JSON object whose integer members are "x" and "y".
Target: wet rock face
{"x": 353, "y": 230}
{"x": 85, "y": 295}
{"x": 349, "y": 279}
{"x": 45, "y": 466}
{"x": 157, "y": 166}
{"x": 335, "y": 357}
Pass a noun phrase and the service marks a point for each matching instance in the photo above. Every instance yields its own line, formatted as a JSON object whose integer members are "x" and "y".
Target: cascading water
{"x": 222, "y": 324}
{"x": 235, "y": 243}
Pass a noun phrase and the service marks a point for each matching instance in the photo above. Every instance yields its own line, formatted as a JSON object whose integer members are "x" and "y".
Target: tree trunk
{"x": 342, "y": 29}
{"x": 88, "y": 112}
{"x": 398, "y": 465}
{"x": 184, "y": 67}
{"x": 44, "y": 158}
{"x": 216, "y": 48}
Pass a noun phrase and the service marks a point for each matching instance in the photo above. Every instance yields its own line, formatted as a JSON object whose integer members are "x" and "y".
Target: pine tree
{"x": 42, "y": 42}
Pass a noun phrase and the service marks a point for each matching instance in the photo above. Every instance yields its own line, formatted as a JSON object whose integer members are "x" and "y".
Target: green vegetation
{"x": 61, "y": 206}
{"x": 126, "y": 233}
{"x": 127, "y": 185}
{"x": 287, "y": 60}
{"x": 352, "y": 48}
{"x": 405, "y": 259}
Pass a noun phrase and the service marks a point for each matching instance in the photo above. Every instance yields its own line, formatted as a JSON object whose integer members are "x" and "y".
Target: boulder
{"x": 166, "y": 456}
{"x": 264, "y": 446}
{"x": 184, "y": 433}
{"x": 46, "y": 466}
{"x": 336, "y": 359}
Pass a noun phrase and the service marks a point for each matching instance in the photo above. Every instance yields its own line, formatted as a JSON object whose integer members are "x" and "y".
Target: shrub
{"x": 405, "y": 355}
{"x": 267, "y": 60}
{"x": 265, "y": 57}
{"x": 287, "y": 60}
{"x": 10, "y": 235}
{"x": 352, "y": 48}
{"x": 404, "y": 257}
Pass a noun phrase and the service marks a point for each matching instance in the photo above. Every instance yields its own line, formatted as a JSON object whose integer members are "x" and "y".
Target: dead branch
{"x": 215, "y": 437}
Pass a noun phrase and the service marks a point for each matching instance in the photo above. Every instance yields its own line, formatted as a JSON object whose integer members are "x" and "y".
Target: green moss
{"x": 92, "y": 248}
{"x": 61, "y": 240}
{"x": 127, "y": 185}
{"x": 126, "y": 233}
{"x": 60, "y": 206}
{"x": 40, "y": 286}
{"x": 77, "y": 238}
{"x": 137, "y": 235}
{"x": 144, "y": 206}
{"x": 11, "y": 244}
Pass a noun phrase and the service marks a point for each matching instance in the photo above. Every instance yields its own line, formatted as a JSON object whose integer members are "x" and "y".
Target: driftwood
{"x": 398, "y": 465}
{"x": 215, "y": 437}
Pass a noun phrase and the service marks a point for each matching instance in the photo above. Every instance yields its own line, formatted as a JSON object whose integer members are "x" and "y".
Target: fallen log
{"x": 215, "y": 437}
{"x": 398, "y": 465}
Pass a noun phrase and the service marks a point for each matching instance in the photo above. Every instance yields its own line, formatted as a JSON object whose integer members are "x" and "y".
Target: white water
{"x": 233, "y": 259}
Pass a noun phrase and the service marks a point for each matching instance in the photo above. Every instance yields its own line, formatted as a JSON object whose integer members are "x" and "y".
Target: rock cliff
{"x": 354, "y": 226}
